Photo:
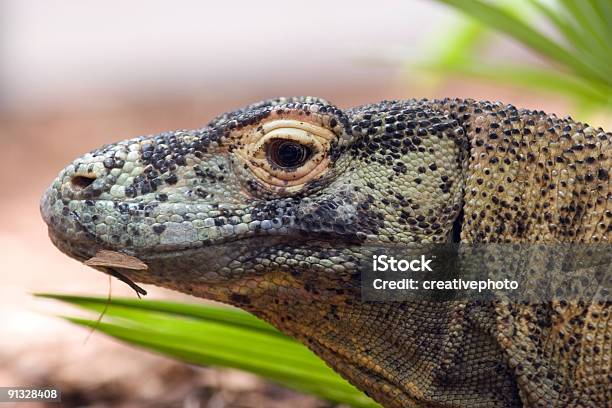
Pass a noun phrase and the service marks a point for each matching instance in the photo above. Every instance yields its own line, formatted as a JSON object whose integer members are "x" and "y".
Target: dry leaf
{"x": 115, "y": 259}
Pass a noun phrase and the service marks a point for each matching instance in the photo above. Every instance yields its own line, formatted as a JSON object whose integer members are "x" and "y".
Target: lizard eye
{"x": 287, "y": 154}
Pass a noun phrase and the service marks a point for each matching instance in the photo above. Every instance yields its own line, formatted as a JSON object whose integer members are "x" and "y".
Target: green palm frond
{"x": 579, "y": 51}
{"x": 217, "y": 336}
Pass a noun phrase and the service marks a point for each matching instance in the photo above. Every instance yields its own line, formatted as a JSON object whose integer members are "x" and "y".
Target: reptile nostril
{"x": 81, "y": 182}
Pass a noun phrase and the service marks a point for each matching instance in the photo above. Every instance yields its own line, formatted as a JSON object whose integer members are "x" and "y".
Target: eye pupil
{"x": 288, "y": 154}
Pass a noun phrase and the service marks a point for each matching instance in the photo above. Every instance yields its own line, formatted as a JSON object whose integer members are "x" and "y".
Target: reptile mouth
{"x": 88, "y": 245}
{"x": 76, "y": 238}
{"x": 80, "y": 250}
{"x": 65, "y": 230}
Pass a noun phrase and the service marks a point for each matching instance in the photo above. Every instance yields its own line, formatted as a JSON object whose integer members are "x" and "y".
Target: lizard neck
{"x": 405, "y": 354}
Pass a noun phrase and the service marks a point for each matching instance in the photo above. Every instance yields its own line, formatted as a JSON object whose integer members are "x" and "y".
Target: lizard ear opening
{"x": 457, "y": 226}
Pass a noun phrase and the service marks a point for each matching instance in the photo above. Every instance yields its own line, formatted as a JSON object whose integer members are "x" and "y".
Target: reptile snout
{"x": 69, "y": 205}
{"x": 83, "y": 190}
{"x": 85, "y": 179}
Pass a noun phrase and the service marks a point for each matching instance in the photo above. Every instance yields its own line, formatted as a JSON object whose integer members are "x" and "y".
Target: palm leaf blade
{"x": 210, "y": 335}
{"x": 500, "y": 20}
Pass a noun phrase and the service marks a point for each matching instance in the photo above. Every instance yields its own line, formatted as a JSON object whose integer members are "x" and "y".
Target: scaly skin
{"x": 231, "y": 212}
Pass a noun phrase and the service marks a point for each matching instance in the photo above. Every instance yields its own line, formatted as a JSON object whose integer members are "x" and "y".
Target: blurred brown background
{"x": 78, "y": 74}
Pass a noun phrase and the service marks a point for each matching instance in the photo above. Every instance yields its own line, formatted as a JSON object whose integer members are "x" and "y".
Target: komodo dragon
{"x": 267, "y": 208}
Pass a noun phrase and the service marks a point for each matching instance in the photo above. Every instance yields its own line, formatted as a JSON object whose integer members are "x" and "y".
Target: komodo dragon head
{"x": 269, "y": 207}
